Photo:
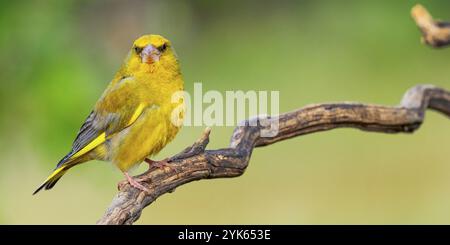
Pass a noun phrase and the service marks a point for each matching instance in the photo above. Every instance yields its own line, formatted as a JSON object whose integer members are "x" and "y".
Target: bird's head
{"x": 150, "y": 51}
{"x": 150, "y": 48}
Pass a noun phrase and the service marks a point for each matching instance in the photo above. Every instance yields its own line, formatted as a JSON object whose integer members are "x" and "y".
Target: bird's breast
{"x": 145, "y": 137}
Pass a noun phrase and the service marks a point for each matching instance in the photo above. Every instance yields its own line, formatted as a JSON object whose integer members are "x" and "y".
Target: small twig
{"x": 434, "y": 33}
{"x": 196, "y": 163}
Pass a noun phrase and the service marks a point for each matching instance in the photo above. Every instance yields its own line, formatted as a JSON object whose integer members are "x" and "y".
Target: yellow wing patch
{"x": 96, "y": 142}
{"x": 102, "y": 137}
{"x": 136, "y": 114}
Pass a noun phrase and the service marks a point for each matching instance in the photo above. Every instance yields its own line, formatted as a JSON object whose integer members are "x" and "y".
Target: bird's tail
{"x": 53, "y": 178}
{"x": 65, "y": 164}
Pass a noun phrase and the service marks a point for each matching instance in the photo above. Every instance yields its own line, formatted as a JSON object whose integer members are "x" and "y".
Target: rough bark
{"x": 196, "y": 163}
{"x": 435, "y": 33}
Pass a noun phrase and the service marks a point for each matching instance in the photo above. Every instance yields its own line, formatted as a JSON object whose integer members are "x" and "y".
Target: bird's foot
{"x": 163, "y": 164}
{"x": 134, "y": 183}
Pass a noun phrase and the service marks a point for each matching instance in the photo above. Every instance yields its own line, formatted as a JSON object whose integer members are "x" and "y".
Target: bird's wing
{"x": 117, "y": 109}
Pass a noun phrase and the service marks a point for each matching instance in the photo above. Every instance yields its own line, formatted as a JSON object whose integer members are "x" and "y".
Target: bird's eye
{"x": 138, "y": 50}
{"x": 162, "y": 47}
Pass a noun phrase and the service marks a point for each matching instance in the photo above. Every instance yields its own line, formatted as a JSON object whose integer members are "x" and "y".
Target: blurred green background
{"x": 57, "y": 57}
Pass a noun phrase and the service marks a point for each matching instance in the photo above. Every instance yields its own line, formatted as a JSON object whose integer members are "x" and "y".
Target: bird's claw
{"x": 134, "y": 183}
{"x": 139, "y": 186}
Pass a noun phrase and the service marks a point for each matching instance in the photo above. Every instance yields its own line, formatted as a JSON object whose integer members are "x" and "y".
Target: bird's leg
{"x": 159, "y": 164}
{"x": 135, "y": 183}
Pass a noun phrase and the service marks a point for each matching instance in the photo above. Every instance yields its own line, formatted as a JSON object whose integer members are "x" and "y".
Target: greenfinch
{"x": 133, "y": 118}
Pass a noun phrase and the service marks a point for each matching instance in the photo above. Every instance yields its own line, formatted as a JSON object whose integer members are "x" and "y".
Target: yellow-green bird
{"x": 134, "y": 118}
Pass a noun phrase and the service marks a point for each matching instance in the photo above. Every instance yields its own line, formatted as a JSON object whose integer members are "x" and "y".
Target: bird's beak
{"x": 150, "y": 54}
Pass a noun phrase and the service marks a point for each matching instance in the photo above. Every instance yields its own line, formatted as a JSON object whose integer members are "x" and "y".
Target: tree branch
{"x": 196, "y": 163}
{"x": 434, "y": 32}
